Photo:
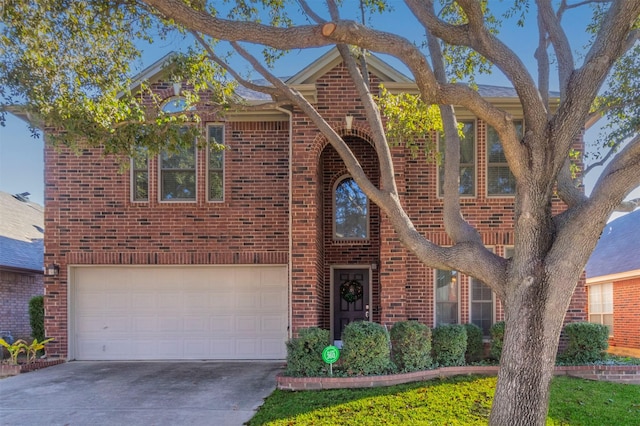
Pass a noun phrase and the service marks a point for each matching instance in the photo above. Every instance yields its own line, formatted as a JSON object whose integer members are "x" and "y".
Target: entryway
{"x": 351, "y": 298}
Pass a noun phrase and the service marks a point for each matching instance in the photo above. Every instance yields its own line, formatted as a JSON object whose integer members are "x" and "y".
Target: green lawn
{"x": 459, "y": 400}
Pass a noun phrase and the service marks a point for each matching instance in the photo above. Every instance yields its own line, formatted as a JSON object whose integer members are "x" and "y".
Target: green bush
{"x": 304, "y": 353}
{"x": 449, "y": 344}
{"x": 587, "y": 342}
{"x": 365, "y": 349}
{"x": 36, "y": 317}
{"x": 410, "y": 346}
{"x": 475, "y": 347}
{"x": 497, "y": 337}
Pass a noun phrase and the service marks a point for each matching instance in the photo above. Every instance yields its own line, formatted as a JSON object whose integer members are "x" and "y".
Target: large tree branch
{"x": 584, "y": 83}
{"x": 456, "y": 226}
{"x": 559, "y": 41}
{"x": 476, "y": 36}
{"x": 388, "y": 183}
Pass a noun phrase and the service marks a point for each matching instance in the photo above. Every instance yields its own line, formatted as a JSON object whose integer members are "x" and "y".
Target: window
{"x": 178, "y": 167}
{"x": 500, "y": 180}
{"x": 467, "y": 161}
{"x": 215, "y": 178}
{"x": 140, "y": 176}
{"x": 446, "y": 297}
{"x": 481, "y": 306}
{"x": 601, "y": 305}
{"x": 178, "y": 174}
{"x": 351, "y": 211}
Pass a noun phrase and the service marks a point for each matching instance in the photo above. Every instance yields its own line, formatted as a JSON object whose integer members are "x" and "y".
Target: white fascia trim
{"x": 613, "y": 277}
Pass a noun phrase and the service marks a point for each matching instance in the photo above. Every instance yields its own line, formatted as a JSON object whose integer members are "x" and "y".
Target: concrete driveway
{"x": 138, "y": 393}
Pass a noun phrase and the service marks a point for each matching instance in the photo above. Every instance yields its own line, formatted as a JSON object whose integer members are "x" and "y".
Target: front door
{"x": 350, "y": 298}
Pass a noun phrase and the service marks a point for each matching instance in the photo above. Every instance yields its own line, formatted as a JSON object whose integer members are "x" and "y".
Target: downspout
{"x": 289, "y": 264}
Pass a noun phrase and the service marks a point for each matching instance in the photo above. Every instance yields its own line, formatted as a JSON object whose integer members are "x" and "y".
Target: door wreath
{"x": 351, "y": 291}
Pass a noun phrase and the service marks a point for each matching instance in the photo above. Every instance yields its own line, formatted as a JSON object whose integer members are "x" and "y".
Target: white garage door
{"x": 146, "y": 313}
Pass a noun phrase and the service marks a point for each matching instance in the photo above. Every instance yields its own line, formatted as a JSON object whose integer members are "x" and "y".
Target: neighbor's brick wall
{"x": 16, "y": 289}
{"x": 626, "y": 314}
{"x": 90, "y": 218}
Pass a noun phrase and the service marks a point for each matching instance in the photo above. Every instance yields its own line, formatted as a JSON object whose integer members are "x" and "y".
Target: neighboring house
{"x": 21, "y": 262}
{"x": 613, "y": 283}
{"x": 224, "y": 255}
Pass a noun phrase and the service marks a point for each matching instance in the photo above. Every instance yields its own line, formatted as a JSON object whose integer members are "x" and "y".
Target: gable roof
{"x": 618, "y": 251}
{"x": 21, "y": 233}
{"x": 332, "y": 58}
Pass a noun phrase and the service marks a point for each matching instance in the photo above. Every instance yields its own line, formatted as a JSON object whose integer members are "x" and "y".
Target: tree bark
{"x": 528, "y": 357}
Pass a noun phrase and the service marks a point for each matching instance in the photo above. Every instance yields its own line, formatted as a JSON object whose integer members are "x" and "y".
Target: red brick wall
{"x": 90, "y": 219}
{"x": 16, "y": 289}
{"x": 626, "y": 314}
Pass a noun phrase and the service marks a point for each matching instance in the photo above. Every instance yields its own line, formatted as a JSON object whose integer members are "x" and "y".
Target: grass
{"x": 462, "y": 400}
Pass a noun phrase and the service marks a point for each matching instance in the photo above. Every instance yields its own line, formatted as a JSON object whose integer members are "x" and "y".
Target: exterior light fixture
{"x": 349, "y": 120}
{"x": 176, "y": 88}
{"x": 51, "y": 270}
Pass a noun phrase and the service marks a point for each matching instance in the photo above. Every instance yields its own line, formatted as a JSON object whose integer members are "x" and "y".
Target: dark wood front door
{"x": 350, "y": 298}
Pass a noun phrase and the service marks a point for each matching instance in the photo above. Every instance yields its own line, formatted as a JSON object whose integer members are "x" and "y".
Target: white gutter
{"x": 289, "y": 265}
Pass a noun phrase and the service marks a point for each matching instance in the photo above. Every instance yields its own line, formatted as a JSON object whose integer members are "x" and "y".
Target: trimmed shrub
{"x": 304, "y": 353}
{"x": 475, "y": 348}
{"x": 410, "y": 346}
{"x": 365, "y": 349}
{"x": 587, "y": 342}
{"x": 36, "y": 317}
{"x": 497, "y": 338}
{"x": 449, "y": 345}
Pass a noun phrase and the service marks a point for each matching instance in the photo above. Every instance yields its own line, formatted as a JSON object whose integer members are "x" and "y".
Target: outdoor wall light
{"x": 349, "y": 120}
{"x": 51, "y": 270}
{"x": 176, "y": 88}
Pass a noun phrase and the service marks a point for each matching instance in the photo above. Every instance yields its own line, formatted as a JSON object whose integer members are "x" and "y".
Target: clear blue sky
{"x": 21, "y": 156}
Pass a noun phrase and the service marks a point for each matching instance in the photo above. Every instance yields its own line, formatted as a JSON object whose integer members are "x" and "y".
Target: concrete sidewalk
{"x": 83, "y": 393}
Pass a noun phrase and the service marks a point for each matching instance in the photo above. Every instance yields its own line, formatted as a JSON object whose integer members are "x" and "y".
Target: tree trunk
{"x": 528, "y": 357}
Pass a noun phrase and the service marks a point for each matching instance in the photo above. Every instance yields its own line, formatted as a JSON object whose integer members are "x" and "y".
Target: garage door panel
{"x": 217, "y": 312}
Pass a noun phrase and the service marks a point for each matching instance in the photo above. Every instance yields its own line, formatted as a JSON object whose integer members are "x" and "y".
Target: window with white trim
{"x": 500, "y": 180}
{"x": 177, "y": 167}
{"x": 601, "y": 305}
{"x": 215, "y": 162}
{"x": 350, "y": 211}
{"x": 467, "y": 182}
{"x": 447, "y": 294}
{"x": 178, "y": 174}
{"x": 482, "y": 312}
{"x": 140, "y": 176}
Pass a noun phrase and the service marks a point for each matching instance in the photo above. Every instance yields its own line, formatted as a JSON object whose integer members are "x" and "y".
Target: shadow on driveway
{"x": 138, "y": 393}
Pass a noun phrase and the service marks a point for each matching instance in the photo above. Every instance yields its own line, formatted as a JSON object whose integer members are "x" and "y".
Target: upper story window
{"x": 467, "y": 183}
{"x": 215, "y": 178}
{"x": 178, "y": 168}
{"x": 351, "y": 211}
{"x": 140, "y": 176}
{"x": 178, "y": 174}
{"x": 500, "y": 180}
{"x": 601, "y": 305}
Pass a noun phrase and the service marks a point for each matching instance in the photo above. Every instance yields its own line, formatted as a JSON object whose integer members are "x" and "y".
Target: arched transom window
{"x": 350, "y": 211}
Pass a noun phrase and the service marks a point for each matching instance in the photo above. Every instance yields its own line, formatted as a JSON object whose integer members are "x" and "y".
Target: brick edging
{"x": 613, "y": 373}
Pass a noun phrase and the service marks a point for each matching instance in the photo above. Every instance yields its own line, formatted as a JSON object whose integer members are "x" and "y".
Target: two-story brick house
{"x": 224, "y": 255}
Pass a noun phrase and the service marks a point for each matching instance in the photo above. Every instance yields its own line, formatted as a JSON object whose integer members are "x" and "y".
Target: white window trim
{"x": 333, "y": 212}
{"x": 435, "y": 298}
{"x": 494, "y": 299}
{"x": 224, "y": 163}
{"x": 179, "y": 200}
{"x": 475, "y": 163}
{"x": 132, "y": 180}
{"x": 486, "y": 165}
{"x": 589, "y": 287}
